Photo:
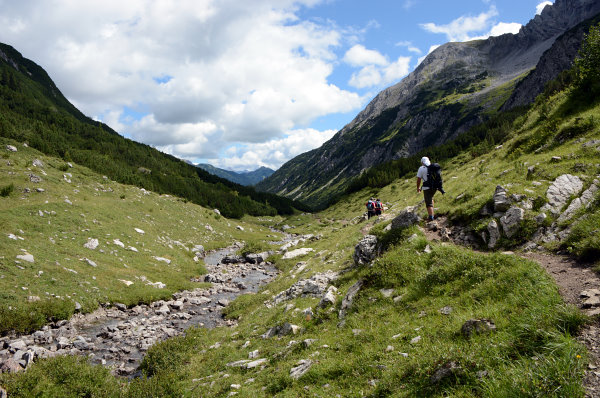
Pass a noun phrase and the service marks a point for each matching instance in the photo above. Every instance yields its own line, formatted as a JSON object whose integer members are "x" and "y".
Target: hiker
{"x": 431, "y": 176}
{"x": 378, "y": 207}
{"x": 370, "y": 208}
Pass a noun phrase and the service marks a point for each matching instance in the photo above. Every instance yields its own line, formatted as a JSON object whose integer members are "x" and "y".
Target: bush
{"x": 7, "y": 190}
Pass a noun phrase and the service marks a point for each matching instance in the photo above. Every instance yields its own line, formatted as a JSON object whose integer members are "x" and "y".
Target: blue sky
{"x": 239, "y": 84}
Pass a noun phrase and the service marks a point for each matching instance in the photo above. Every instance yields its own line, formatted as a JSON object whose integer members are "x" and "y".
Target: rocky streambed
{"x": 118, "y": 337}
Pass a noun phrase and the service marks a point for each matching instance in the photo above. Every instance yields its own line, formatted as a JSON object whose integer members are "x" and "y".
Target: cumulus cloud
{"x": 358, "y": 55}
{"x": 376, "y": 69}
{"x": 409, "y": 46}
{"x": 242, "y": 72}
{"x": 540, "y": 7}
{"x": 272, "y": 153}
{"x": 467, "y": 28}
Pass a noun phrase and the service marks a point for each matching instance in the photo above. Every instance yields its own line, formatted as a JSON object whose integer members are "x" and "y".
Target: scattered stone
{"x": 349, "y": 298}
{"x": 26, "y": 257}
{"x": 297, "y": 253}
{"x": 555, "y": 159}
{"x": 540, "y": 218}
{"x": 511, "y": 221}
{"x": 35, "y": 179}
{"x": 257, "y": 363}
{"x": 91, "y": 244}
{"x": 10, "y": 366}
{"x": 329, "y": 297}
{"x": 38, "y": 163}
{"x": 478, "y": 326}
{"x": 415, "y": 340}
{"x": 315, "y": 286}
{"x": 163, "y": 259}
{"x": 389, "y": 348}
{"x": 139, "y": 231}
{"x": 366, "y": 250}
{"x": 126, "y": 282}
{"x": 217, "y": 212}
{"x": 387, "y": 293}
{"x": 301, "y": 368}
{"x": 11, "y": 148}
{"x": 448, "y": 370}
{"x": 239, "y": 227}
{"x": 90, "y": 262}
{"x": 446, "y": 310}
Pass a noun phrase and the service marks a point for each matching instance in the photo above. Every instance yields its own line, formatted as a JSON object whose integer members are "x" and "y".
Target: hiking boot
{"x": 430, "y": 218}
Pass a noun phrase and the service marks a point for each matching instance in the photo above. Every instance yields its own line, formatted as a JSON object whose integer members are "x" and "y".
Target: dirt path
{"x": 577, "y": 284}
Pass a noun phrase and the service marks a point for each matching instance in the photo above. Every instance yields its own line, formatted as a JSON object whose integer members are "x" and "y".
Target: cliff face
{"x": 455, "y": 87}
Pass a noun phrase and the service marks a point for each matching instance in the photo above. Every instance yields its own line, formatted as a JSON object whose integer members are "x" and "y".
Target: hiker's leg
{"x": 428, "y": 194}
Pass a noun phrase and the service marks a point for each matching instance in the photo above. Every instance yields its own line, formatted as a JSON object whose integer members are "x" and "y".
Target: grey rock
{"x": 448, "y": 370}
{"x": 257, "y": 363}
{"x": 560, "y": 191}
{"x": 3, "y": 393}
{"x": 511, "y": 221}
{"x": 300, "y": 369}
{"x": 35, "y": 179}
{"x": 405, "y": 219}
{"x": 26, "y": 257}
{"x": 329, "y": 297}
{"x": 446, "y": 310}
{"x": 366, "y": 250}
{"x": 501, "y": 201}
{"x": 38, "y": 163}
{"x": 349, "y": 298}
{"x": 11, "y": 148}
{"x": 582, "y": 202}
{"x": 10, "y": 366}
{"x": 494, "y": 233}
{"x": 478, "y": 326}
{"x": 232, "y": 259}
{"x": 176, "y": 305}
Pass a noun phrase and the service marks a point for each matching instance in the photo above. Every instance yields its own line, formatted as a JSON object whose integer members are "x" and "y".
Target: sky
{"x": 239, "y": 84}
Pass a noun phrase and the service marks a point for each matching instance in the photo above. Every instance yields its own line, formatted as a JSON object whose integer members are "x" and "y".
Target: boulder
{"x": 405, "y": 219}
{"x": 582, "y": 202}
{"x": 511, "y": 221}
{"x": 501, "y": 201}
{"x": 11, "y": 148}
{"x": 366, "y": 250}
{"x": 26, "y": 257}
{"x": 478, "y": 326}
{"x": 10, "y": 366}
{"x": 494, "y": 234}
{"x": 560, "y": 191}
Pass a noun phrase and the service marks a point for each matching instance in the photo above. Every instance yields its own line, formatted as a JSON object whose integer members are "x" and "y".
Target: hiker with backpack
{"x": 370, "y": 208}
{"x": 431, "y": 176}
{"x": 378, "y": 207}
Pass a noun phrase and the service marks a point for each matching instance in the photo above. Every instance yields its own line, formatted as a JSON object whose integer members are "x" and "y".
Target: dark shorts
{"x": 428, "y": 194}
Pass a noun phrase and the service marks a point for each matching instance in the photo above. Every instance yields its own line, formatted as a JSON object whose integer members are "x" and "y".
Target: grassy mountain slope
{"x": 242, "y": 178}
{"x": 33, "y": 110}
{"x": 403, "y": 331}
{"x": 76, "y": 205}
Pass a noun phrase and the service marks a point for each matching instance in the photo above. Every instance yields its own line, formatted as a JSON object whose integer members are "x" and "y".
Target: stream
{"x": 118, "y": 337}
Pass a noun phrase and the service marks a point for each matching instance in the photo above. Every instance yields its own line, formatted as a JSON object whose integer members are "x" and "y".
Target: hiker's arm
{"x": 418, "y": 184}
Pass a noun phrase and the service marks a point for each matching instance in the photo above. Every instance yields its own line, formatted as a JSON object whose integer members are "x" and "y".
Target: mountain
{"x": 242, "y": 178}
{"x": 35, "y": 112}
{"x": 456, "y": 87}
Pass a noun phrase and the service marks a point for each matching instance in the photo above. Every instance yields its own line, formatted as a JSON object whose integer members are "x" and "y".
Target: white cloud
{"x": 540, "y": 7}
{"x": 466, "y": 28}
{"x": 242, "y": 72}
{"x": 409, "y": 46}
{"x": 463, "y": 27}
{"x": 272, "y": 153}
{"x": 358, "y": 55}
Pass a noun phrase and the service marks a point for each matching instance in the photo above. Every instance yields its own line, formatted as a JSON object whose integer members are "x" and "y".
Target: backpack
{"x": 370, "y": 205}
{"x": 434, "y": 177}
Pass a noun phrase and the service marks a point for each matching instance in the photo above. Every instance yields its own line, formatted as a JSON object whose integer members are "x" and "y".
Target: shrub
{"x": 7, "y": 190}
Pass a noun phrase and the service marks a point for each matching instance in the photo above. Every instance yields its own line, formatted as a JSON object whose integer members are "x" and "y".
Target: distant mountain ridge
{"x": 457, "y": 86}
{"x": 243, "y": 178}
